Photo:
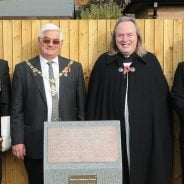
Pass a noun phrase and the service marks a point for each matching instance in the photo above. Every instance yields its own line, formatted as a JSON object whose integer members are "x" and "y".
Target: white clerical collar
{"x": 127, "y": 64}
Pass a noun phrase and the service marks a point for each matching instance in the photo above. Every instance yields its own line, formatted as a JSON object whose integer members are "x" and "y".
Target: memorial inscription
{"x": 82, "y": 144}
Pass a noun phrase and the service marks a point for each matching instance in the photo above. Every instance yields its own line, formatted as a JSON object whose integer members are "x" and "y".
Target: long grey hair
{"x": 140, "y": 49}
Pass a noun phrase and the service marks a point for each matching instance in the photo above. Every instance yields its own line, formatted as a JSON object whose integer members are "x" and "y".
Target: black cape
{"x": 177, "y": 95}
{"x": 149, "y": 114}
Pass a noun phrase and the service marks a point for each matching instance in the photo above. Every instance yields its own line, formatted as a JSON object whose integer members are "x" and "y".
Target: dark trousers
{"x": 34, "y": 168}
{"x": 0, "y": 167}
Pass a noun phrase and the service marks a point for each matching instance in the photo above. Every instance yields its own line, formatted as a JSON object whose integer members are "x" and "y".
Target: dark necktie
{"x": 55, "y": 101}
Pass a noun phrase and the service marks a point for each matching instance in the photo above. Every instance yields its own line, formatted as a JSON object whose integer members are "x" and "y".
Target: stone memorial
{"x": 82, "y": 152}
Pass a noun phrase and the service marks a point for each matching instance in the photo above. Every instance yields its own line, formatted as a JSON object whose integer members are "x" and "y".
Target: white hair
{"x": 50, "y": 27}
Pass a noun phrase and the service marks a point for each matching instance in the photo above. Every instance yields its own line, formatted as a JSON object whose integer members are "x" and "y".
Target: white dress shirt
{"x": 45, "y": 72}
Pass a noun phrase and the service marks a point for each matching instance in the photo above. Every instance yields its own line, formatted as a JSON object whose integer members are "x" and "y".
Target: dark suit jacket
{"x": 29, "y": 106}
{"x": 4, "y": 95}
{"x": 4, "y": 88}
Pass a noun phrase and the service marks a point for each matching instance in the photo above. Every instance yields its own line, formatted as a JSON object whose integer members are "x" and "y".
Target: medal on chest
{"x": 126, "y": 68}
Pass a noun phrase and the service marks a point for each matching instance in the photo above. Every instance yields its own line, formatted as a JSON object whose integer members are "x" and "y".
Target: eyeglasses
{"x": 47, "y": 41}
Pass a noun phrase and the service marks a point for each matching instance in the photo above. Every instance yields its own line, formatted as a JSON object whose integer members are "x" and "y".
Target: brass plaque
{"x": 83, "y": 179}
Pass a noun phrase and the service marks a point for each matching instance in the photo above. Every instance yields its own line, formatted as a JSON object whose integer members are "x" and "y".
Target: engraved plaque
{"x": 83, "y": 179}
{"x": 82, "y": 144}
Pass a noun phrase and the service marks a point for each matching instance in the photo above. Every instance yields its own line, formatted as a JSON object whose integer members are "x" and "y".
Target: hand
{"x": 19, "y": 151}
{"x": 6, "y": 144}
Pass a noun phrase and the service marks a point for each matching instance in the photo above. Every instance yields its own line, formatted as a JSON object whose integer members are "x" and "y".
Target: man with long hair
{"x": 127, "y": 84}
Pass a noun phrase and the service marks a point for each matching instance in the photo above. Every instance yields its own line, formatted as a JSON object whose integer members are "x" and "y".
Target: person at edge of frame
{"x": 5, "y": 92}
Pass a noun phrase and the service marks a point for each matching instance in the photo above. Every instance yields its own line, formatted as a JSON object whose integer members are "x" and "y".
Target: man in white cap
{"x": 45, "y": 88}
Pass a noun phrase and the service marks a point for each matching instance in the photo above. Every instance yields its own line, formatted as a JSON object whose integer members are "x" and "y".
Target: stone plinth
{"x": 82, "y": 152}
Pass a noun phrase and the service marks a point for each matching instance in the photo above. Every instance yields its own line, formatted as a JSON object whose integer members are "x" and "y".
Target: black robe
{"x": 177, "y": 96}
{"x": 149, "y": 114}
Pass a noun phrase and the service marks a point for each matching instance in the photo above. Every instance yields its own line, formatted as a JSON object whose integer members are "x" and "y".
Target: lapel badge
{"x": 66, "y": 71}
{"x": 132, "y": 69}
{"x": 126, "y": 69}
{"x": 34, "y": 71}
{"x": 120, "y": 69}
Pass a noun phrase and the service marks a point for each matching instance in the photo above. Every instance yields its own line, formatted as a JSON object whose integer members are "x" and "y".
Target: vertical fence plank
{"x": 9, "y": 168}
{"x": 109, "y": 31}
{"x": 64, "y": 27}
{"x": 34, "y": 37}
{"x": 93, "y": 27}
{"x": 159, "y": 41}
{"x": 149, "y": 35}
{"x": 113, "y": 23}
{"x": 43, "y": 22}
{"x": 177, "y": 43}
{"x": 26, "y": 39}
{"x": 168, "y": 49}
{"x": 83, "y": 47}
{"x": 1, "y": 39}
{"x": 56, "y": 22}
{"x": 74, "y": 42}
{"x": 17, "y": 42}
{"x": 141, "y": 24}
{"x": 102, "y": 38}
{"x": 109, "y": 34}
{"x": 7, "y": 41}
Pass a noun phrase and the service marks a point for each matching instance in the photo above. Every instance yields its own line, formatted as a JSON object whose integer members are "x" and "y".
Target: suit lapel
{"x": 37, "y": 78}
{"x": 62, "y": 65}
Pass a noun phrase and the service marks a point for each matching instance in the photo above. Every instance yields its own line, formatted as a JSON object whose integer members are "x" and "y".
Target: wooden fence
{"x": 84, "y": 41}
